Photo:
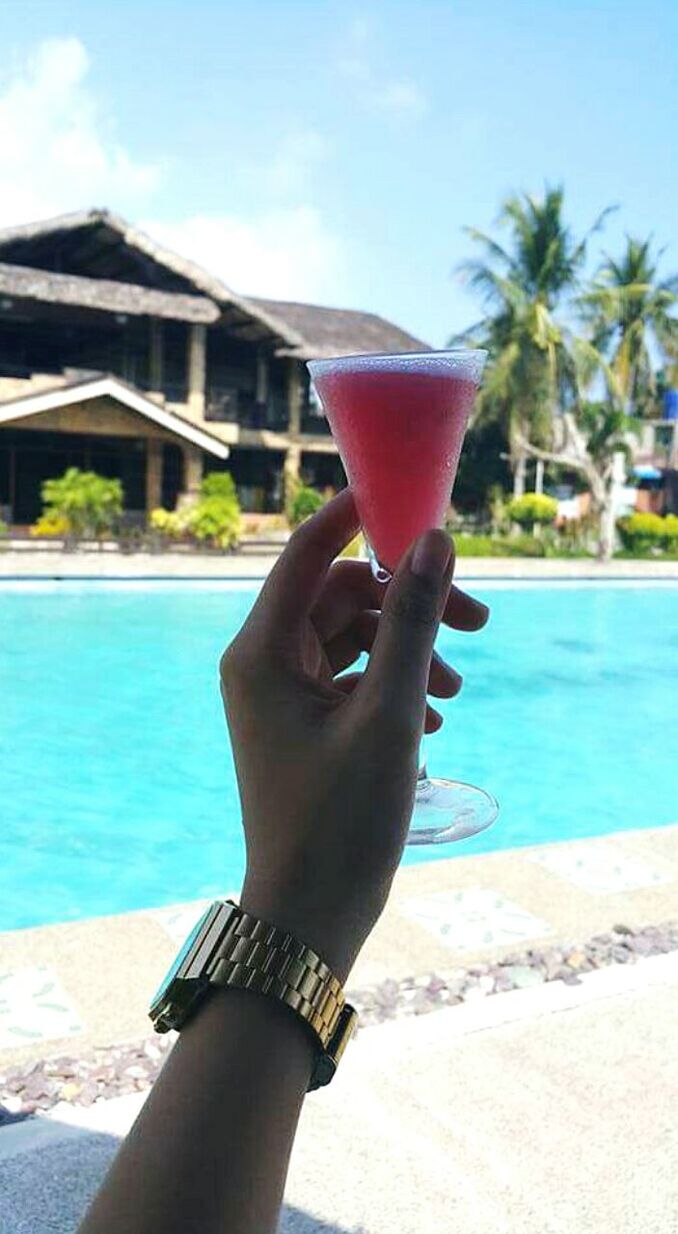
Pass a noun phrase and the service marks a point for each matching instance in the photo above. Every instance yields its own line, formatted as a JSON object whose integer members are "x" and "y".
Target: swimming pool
{"x": 117, "y": 789}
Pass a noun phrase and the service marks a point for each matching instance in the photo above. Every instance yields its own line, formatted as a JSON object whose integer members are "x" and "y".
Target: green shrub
{"x": 170, "y": 524}
{"x": 219, "y": 484}
{"x": 475, "y": 546}
{"x": 524, "y": 546}
{"x": 3, "y": 528}
{"x": 641, "y": 533}
{"x": 215, "y": 520}
{"x": 305, "y": 502}
{"x": 532, "y": 509}
{"x": 671, "y": 531}
{"x": 90, "y": 502}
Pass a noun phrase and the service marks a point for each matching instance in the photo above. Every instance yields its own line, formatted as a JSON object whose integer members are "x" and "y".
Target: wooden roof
{"x": 83, "y": 389}
{"x": 338, "y": 332}
{"x": 105, "y": 295}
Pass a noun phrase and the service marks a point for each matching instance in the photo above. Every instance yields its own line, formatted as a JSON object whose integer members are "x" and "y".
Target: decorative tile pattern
{"x": 598, "y": 867}
{"x": 475, "y": 917}
{"x": 34, "y": 1007}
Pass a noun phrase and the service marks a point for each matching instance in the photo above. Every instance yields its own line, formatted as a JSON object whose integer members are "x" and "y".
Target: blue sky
{"x": 334, "y": 152}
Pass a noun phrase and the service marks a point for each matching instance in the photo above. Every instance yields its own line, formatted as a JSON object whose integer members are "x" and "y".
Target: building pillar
{"x": 197, "y": 370}
{"x": 261, "y": 394}
{"x": 294, "y": 397}
{"x": 291, "y": 472}
{"x": 156, "y": 358}
{"x": 153, "y": 474}
{"x": 539, "y": 476}
{"x": 292, "y": 464}
{"x": 192, "y": 476}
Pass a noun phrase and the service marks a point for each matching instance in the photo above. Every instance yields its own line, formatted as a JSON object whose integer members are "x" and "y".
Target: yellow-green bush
{"x": 531, "y": 509}
{"x": 641, "y": 533}
{"x": 215, "y": 520}
{"x": 168, "y": 523}
{"x": 51, "y": 523}
{"x": 91, "y": 503}
{"x": 305, "y": 502}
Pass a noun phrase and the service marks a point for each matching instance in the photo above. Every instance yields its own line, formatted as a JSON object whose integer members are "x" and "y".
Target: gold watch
{"x": 229, "y": 947}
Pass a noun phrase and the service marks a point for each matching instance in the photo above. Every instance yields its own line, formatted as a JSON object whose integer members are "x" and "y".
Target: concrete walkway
{"x": 543, "y": 1111}
{"x": 50, "y": 564}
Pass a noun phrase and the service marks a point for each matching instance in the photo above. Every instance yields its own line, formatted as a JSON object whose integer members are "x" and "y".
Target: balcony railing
{"x": 235, "y": 407}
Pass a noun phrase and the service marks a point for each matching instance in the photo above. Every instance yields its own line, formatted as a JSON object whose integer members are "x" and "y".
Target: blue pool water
{"x": 116, "y": 784}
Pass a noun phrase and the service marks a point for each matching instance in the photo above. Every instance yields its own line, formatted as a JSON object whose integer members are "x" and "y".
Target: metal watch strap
{"x": 254, "y": 955}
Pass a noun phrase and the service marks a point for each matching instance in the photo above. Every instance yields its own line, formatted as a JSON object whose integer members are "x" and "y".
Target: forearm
{"x": 210, "y": 1150}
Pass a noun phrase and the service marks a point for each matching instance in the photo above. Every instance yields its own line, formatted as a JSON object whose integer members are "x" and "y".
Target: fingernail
{"x": 431, "y": 556}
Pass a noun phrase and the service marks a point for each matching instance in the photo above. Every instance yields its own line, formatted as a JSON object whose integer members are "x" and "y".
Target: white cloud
{"x": 287, "y": 253}
{"x": 400, "y": 98}
{"x": 55, "y": 154}
{"x": 397, "y": 96}
{"x": 291, "y": 166}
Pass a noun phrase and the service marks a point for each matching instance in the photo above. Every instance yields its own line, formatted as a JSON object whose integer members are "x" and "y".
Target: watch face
{"x": 180, "y": 959}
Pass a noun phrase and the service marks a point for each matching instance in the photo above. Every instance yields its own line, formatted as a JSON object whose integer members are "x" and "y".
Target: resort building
{"x": 119, "y": 356}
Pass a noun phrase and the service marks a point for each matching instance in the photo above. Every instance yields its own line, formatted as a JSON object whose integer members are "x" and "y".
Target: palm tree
{"x": 531, "y": 372}
{"x": 629, "y": 312}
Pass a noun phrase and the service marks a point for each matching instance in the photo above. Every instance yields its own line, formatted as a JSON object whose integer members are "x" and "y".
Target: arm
{"x": 326, "y": 770}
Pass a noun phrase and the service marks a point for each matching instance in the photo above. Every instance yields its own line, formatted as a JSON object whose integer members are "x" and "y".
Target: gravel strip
{"x": 117, "y": 1070}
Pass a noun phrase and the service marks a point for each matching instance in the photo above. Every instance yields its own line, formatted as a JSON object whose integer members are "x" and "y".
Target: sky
{"x": 334, "y": 152}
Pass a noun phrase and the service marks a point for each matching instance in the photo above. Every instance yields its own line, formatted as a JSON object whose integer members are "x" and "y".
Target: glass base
{"x": 380, "y": 572}
{"x": 447, "y": 810}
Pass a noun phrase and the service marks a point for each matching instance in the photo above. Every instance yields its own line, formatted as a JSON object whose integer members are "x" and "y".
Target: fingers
{"x": 294, "y": 582}
{"x": 342, "y": 651}
{"x": 462, "y": 612}
{"x": 433, "y": 720}
{"x": 350, "y": 587}
{"x": 397, "y": 674}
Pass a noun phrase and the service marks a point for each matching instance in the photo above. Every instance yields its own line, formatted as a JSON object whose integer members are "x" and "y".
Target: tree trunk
{"x": 607, "y": 525}
{"x": 611, "y": 485}
{"x": 519, "y": 470}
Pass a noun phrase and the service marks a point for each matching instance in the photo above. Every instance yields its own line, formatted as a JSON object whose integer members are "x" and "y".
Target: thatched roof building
{"x": 336, "y": 332}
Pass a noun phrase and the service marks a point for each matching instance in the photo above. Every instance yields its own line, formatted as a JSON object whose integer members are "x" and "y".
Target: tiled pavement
{"x": 69, "y": 987}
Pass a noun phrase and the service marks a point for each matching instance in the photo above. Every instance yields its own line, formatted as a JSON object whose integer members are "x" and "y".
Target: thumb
{"x": 397, "y": 674}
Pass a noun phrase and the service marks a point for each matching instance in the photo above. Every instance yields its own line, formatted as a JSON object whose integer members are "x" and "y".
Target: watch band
{"x": 255, "y": 955}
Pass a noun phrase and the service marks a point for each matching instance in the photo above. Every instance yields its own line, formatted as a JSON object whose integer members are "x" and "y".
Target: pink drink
{"x": 399, "y": 423}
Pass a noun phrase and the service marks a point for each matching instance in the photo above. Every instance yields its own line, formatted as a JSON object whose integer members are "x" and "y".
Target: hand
{"x": 327, "y": 765}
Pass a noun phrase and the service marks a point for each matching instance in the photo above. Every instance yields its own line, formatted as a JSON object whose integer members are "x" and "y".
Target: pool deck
{"x": 541, "y": 1111}
{"x": 68, "y": 988}
{"x": 53, "y": 564}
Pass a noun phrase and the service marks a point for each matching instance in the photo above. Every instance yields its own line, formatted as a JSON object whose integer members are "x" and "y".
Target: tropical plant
{"x": 532, "y": 509}
{"x": 91, "y": 503}
{"x": 523, "y": 285}
{"x": 305, "y": 502}
{"x": 629, "y": 312}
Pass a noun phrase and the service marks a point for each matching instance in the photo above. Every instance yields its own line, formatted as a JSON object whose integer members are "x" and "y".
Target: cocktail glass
{"x": 399, "y": 423}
